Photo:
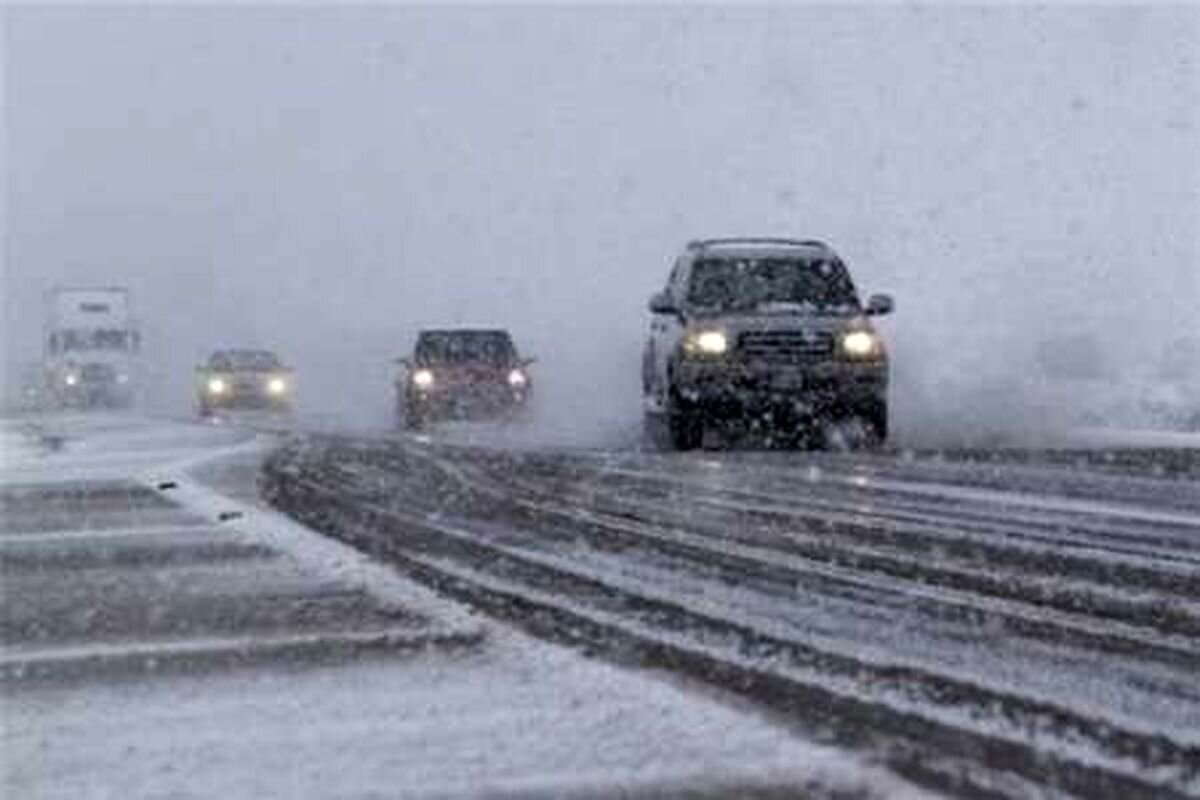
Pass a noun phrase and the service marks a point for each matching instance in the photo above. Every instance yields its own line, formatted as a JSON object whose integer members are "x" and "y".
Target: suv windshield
{"x": 249, "y": 360}
{"x": 457, "y": 347}
{"x": 739, "y": 284}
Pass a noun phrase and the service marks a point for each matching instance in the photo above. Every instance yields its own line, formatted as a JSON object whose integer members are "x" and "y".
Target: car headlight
{"x": 276, "y": 386}
{"x": 861, "y": 344}
{"x": 706, "y": 343}
{"x": 517, "y": 379}
{"x": 217, "y": 386}
{"x": 422, "y": 379}
{"x": 70, "y": 379}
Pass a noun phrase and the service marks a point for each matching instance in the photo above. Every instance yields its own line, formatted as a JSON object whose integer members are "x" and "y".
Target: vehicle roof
{"x": 463, "y": 331}
{"x": 759, "y": 246}
{"x": 66, "y": 289}
{"x": 244, "y": 351}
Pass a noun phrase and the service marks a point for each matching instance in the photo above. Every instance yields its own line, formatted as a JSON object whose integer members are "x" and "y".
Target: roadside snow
{"x": 518, "y": 718}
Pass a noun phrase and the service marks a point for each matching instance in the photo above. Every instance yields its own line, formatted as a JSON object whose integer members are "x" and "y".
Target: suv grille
{"x": 785, "y": 346}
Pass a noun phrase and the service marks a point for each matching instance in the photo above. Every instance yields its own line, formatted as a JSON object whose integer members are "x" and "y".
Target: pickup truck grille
{"x": 785, "y": 346}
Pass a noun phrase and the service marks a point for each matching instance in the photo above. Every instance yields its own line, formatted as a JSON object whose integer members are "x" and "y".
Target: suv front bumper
{"x": 732, "y": 390}
{"x": 478, "y": 401}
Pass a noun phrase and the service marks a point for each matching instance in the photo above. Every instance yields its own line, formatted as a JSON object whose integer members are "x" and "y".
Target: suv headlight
{"x": 705, "y": 343}
{"x": 861, "y": 344}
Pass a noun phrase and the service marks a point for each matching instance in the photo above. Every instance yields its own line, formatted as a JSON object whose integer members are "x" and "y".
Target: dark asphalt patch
{"x": 101, "y": 579}
{"x": 56, "y": 607}
{"x": 174, "y": 547}
{"x": 85, "y": 506}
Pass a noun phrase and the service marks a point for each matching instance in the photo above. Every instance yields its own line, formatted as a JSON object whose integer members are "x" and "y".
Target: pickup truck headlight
{"x": 861, "y": 344}
{"x": 705, "y": 343}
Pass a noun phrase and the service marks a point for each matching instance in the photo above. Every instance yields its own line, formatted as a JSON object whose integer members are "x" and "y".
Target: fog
{"x": 325, "y": 181}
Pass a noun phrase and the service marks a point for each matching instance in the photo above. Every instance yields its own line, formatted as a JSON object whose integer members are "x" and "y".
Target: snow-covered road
{"x": 164, "y": 634}
{"x": 1010, "y": 623}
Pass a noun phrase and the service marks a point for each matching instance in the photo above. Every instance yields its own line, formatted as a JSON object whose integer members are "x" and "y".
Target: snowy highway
{"x": 600, "y": 400}
{"x": 165, "y": 634}
{"x": 983, "y": 623}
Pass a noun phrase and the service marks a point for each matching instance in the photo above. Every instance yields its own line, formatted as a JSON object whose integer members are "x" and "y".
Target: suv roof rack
{"x": 700, "y": 244}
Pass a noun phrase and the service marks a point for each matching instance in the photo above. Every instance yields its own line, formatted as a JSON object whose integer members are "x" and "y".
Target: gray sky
{"x": 326, "y": 180}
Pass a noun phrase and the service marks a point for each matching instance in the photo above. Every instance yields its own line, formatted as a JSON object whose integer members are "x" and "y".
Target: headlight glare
{"x": 276, "y": 386}
{"x": 706, "y": 343}
{"x": 422, "y": 379}
{"x": 860, "y": 344}
{"x": 517, "y": 379}
{"x": 217, "y": 386}
{"x": 71, "y": 379}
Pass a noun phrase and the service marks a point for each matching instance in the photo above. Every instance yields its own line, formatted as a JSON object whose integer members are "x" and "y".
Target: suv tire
{"x": 877, "y": 418}
{"x": 685, "y": 427}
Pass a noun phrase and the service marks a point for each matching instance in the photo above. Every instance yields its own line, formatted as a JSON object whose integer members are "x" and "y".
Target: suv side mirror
{"x": 880, "y": 304}
{"x": 663, "y": 303}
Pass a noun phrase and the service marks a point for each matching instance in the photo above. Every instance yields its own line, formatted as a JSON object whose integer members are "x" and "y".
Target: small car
{"x": 245, "y": 379}
{"x": 462, "y": 373}
{"x": 763, "y": 333}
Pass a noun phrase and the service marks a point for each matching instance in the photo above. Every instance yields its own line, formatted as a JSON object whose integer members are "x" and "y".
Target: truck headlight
{"x": 706, "y": 343}
{"x": 276, "y": 386}
{"x": 517, "y": 379}
{"x": 861, "y": 344}
{"x": 422, "y": 379}
{"x": 217, "y": 386}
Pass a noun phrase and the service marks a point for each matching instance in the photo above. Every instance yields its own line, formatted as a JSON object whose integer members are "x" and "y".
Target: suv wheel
{"x": 877, "y": 419}
{"x": 685, "y": 428}
{"x": 672, "y": 428}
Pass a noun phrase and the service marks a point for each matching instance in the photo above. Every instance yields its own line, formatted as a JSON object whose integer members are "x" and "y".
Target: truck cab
{"x": 91, "y": 348}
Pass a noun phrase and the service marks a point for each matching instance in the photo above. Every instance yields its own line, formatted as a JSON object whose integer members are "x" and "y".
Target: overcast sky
{"x": 325, "y": 180}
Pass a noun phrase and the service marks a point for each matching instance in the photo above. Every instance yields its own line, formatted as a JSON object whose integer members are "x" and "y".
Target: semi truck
{"x": 91, "y": 348}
